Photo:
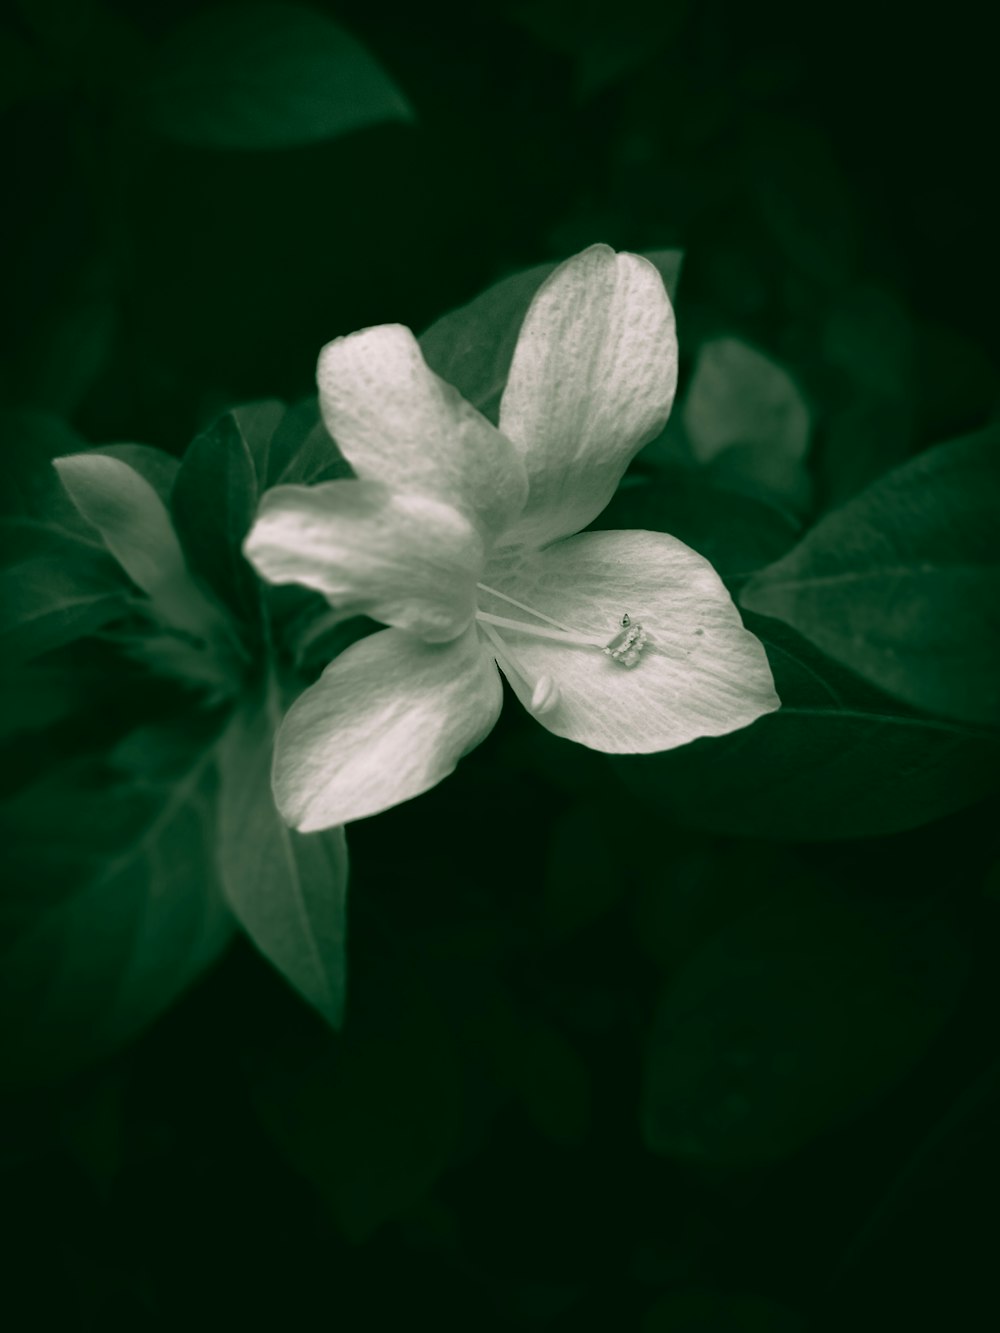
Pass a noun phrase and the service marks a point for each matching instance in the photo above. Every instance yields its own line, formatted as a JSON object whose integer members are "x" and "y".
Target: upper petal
{"x": 397, "y": 422}
{"x": 700, "y": 674}
{"x": 591, "y": 382}
{"x": 387, "y": 720}
{"x": 407, "y": 560}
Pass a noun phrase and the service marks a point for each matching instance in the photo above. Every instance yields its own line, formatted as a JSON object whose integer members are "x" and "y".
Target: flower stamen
{"x": 540, "y": 631}
{"x": 625, "y": 648}
{"x": 544, "y": 690}
{"x": 521, "y": 606}
{"x": 627, "y": 645}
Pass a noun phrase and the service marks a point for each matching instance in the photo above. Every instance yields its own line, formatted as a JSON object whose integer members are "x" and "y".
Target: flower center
{"x": 628, "y": 643}
{"x": 624, "y": 648}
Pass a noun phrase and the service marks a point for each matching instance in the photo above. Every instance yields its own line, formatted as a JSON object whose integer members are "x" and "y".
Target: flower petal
{"x": 700, "y": 674}
{"x": 591, "y": 382}
{"x": 388, "y": 719}
{"x": 397, "y": 422}
{"x": 407, "y": 560}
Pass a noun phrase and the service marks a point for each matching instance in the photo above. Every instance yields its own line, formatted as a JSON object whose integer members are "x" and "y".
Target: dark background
{"x": 473, "y": 1151}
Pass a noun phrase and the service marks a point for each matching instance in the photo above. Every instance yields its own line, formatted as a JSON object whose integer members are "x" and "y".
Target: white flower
{"x": 459, "y": 536}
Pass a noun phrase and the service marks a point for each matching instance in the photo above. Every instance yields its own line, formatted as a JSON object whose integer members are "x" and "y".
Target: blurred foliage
{"x": 703, "y": 1040}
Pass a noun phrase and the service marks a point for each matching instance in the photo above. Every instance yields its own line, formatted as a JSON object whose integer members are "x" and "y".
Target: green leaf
{"x": 861, "y": 441}
{"x": 158, "y": 468}
{"x": 792, "y": 1020}
{"x": 738, "y": 395}
{"x": 669, "y": 262}
{"x": 301, "y": 451}
{"x": 264, "y": 76}
{"x": 736, "y": 532}
{"x": 744, "y": 415}
{"x": 136, "y": 527}
{"x": 289, "y": 444}
{"x": 104, "y": 925}
{"x": 257, "y": 423}
{"x": 835, "y": 761}
{"x": 288, "y": 890}
{"x": 902, "y": 584}
{"x": 214, "y": 502}
{"x": 54, "y": 588}
{"x": 183, "y": 633}
{"x": 85, "y": 678}
{"x": 472, "y": 347}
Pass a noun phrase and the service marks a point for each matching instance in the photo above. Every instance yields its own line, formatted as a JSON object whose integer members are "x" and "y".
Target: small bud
{"x": 545, "y": 695}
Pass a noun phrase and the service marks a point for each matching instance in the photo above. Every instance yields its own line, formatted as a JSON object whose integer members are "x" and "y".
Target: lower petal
{"x": 407, "y": 560}
{"x": 700, "y": 673}
{"x": 388, "y": 719}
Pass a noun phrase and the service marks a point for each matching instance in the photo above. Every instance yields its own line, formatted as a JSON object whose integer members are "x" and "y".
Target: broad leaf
{"x": 902, "y": 584}
{"x": 260, "y": 76}
{"x": 472, "y": 347}
{"x": 157, "y": 467}
{"x": 104, "y": 925}
{"x": 214, "y": 502}
{"x": 740, "y": 396}
{"x": 669, "y": 262}
{"x": 136, "y": 528}
{"x": 54, "y": 588}
{"x": 289, "y": 444}
{"x": 85, "y": 678}
{"x": 300, "y": 450}
{"x": 257, "y": 423}
{"x": 744, "y": 415}
{"x": 835, "y": 761}
{"x": 793, "y": 1019}
{"x": 287, "y": 889}
{"x": 737, "y": 533}
{"x": 861, "y": 441}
